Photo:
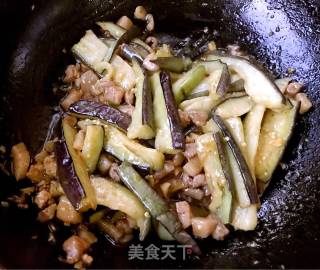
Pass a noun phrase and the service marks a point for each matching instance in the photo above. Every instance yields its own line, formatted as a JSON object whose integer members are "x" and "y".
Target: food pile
{"x": 147, "y": 139}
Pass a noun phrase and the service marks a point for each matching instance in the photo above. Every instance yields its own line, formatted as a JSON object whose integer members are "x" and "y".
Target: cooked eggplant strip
{"x": 174, "y": 63}
{"x": 69, "y": 133}
{"x": 120, "y": 146}
{"x": 234, "y": 107}
{"x": 163, "y": 140}
{"x": 130, "y": 53}
{"x": 147, "y": 110}
{"x": 141, "y": 126}
{"x": 178, "y": 138}
{"x": 118, "y": 197}
{"x": 157, "y": 207}
{"x": 92, "y": 146}
{"x": 235, "y": 126}
{"x": 221, "y": 195}
{"x": 236, "y": 83}
{"x": 224, "y": 82}
{"x": 123, "y": 73}
{"x": 256, "y": 83}
{"x": 113, "y": 29}
{"x": 217, "y": 136}
{"x": 245, "y": 219}
{"x": 276, "y": 130}
{"x": 67, "y": 175}
{"x": 127, "y": 37}
{"x": 182, "y": 87}
{"x": 93, "y": 52}
{"x": 252, "y": 126}
{"x": 98, "y": 111}
{"x": 236, "y": 152}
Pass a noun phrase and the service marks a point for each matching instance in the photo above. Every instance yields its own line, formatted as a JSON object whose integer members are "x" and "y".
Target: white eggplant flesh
{"x": 257, "y": 84}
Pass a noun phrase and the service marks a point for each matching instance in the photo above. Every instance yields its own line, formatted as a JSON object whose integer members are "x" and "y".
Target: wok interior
{"x": 290, "y": 202}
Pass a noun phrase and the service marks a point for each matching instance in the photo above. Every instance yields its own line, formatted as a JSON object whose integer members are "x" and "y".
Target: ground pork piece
{"x": 74, "y": 248}
{"x": 88, "y": 80}
{"x": 193, "y": 166}
{"x": 195, "y": 193}
{"x": 86, "y": 235}
{"x": 199, "y": 118}
{"x": 39, "y": 158}
{"x": 220, "y": 232}
{"x": 104, "y": 164}
{"x": 42, "y": 198}
{"x": 79, "y": 140}
{"x": 36, "y": 172}
{"x": 73, "y": 96}
{"x": 195, "y": 182}
{"x": 203, "y": 226}
{"x": 125, "y": 22}
{"x": 50, "y": 166}
{"x": 128, "y": 109}
{"x": 184, "y": 118}
{"x": 168, "y": 168}
{"x": 178, "y": 159}
{"x": 87, "y": 259}
{"x": 113, "y": 94}
{"x": 191, "y": 150}
{"x": 113, "y": 172}
{"x": 294, "y": 88}
{"x": 184, "y": 213}
{"x": 20, "y": 160}
{"x": 48, "y": 213}
{"x": 67, "y": 213}
{"x": 72, "y": 73}
{"x": 129, "y": 96}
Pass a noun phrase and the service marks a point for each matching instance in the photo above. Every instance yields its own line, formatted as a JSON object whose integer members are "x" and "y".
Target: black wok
{"x": 282, "y": 34}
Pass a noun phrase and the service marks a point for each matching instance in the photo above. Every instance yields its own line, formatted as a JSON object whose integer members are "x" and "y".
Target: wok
{"x": 281, "y": 34}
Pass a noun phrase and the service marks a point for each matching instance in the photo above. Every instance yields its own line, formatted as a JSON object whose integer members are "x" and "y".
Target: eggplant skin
{"x": 67, "y": 175}
{"x": 177, "y": 133}
{"x": 95, "y": 110}
{"x": 147, "y": 111}
{"x": 217, "y": 136}
{"x": 244, "y": 168}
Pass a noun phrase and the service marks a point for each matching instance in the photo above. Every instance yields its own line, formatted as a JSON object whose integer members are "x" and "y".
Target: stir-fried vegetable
{"x": 120, "y": 146}
{"x": 252, "y": 127}
{"x": 217, "y": 178}
{"x": 234, "y": 107}
{"x": 182, "y": 87}
{"x": 92, "y": 146}
{"x": 244, "y": 183}
{"x": 177, "y": 134}
{"x": 275, "y": 133}
{"x": 157, "y": 207}
{"x": 80, "y": 170}
{"x": 258, "y": 86}
{"x": 93, "y": 52}
{"x": 139, "y": 101}
{"x": 105, "y": 113}
{"x": 164, "y": 138}
{"x": 142, "y": 118}
{"x": 117, "y": 197}
{"x": 174, "y": 64}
